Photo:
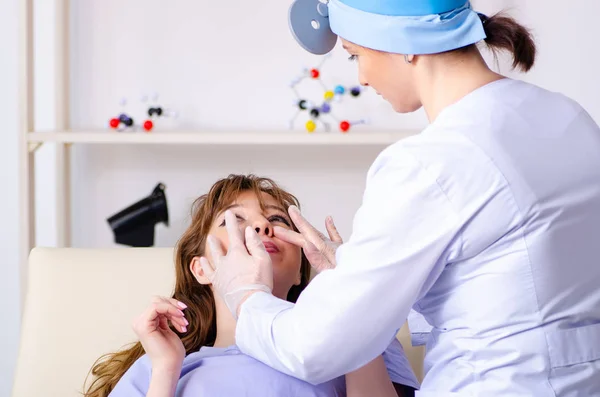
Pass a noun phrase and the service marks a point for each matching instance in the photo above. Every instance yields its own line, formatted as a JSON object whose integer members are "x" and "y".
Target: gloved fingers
{"x": 290, "y": 236}
{"x": 309, "y": 232}
{"x": 311, "y": 248}
{"x": 209, "y": 270}
{"x": 216, "y": 251}
{"x": 255, "y": 246}
{"x": 334, "y": 235}
{"x": 236, "y": 239}
{"x": 315, "y": 257}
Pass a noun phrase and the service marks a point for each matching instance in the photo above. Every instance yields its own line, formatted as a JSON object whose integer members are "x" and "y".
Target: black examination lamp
{"x": 134, "y": 226}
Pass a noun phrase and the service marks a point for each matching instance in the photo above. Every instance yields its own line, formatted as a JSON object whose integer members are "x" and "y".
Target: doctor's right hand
{"x": 319, "y": 250}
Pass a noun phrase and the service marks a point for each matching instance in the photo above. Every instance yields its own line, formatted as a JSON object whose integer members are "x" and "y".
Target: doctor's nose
{"x": 263, "y": 227}
{"x": 362, "y": 80}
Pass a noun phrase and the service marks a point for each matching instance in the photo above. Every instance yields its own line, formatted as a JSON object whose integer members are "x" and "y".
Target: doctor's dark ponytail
{"x": 504, "y": 33}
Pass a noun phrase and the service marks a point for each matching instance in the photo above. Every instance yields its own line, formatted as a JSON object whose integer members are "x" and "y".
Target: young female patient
{"x": 187, "y": 342}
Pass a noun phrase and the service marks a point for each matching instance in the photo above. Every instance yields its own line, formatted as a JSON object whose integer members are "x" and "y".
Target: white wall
{"x": 9, "y": 244}
{"x": 218, "y": 69}
{"x": 45, "y": 120}
{"x": 567, "y": 41}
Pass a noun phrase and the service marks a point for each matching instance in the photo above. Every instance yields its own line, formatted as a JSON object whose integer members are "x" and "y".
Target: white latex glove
{"x": 245, "y": 269}
{"x": 319, "y": 250}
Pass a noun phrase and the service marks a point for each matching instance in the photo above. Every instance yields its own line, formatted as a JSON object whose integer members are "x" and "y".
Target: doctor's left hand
{"x": 245, "y": 268}
{"x": 319, "y": 250}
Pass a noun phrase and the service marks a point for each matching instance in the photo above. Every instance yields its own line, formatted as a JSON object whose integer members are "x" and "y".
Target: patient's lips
{"x": 271, "y": 247}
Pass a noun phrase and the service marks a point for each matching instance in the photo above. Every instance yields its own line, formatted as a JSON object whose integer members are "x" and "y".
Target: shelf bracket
{"x": 33, "y": 146}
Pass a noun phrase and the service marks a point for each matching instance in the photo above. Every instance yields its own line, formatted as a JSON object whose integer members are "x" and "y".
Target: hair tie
{"x": 484, "y": 18}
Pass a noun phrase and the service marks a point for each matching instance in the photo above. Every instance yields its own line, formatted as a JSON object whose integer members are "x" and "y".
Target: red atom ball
{"x": 148, "y": 125}
{"x": 114, "y": 123}
{"x": 344, "y": 126}
{"x": 314, "y": 73}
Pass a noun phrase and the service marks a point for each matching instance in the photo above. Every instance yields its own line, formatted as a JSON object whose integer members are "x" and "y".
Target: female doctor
{"x": 487, "y": 223}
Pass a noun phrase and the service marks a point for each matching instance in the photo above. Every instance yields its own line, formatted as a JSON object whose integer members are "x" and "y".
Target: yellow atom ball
{"x": 329, "y": 95}
{"x": 310, "y": 126}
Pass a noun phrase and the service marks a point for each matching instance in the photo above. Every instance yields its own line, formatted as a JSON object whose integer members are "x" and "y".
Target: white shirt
{"x": 488, "y": 224}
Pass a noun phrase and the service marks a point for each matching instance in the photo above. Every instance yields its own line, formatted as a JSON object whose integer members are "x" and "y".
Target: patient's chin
{"x": 280, "y": 292}
{"x": 278, "y": 260}
{"x": 282, "y": 283}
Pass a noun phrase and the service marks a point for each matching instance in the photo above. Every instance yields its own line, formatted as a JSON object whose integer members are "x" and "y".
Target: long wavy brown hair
{"x": 201, "y": 312}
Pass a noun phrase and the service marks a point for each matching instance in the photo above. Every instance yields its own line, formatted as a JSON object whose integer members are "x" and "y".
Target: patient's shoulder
{"x": 136, "y": 380}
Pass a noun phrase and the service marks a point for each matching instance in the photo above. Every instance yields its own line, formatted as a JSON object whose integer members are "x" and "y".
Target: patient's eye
{"x": 279, "y": 218}
{"x": 238, "y": 217}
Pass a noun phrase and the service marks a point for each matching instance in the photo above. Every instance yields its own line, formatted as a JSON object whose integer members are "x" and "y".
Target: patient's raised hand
{"x": 319, "y": 250}
{"x": 161, "y": 343}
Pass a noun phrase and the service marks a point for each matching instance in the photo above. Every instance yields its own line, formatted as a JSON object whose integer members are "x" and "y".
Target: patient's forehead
{"x": 249, "y": 200}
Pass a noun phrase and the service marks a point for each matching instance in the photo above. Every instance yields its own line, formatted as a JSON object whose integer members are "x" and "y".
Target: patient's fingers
{"x": 177, "y": 303}
{"x": 163, "y": 323}
{"x": 173, "y": 301}
{"x": 164, "y": 307}
{"x": 160, "y": 309}
{"x": 289, "y": 236}
{"x": 180, "y": 323}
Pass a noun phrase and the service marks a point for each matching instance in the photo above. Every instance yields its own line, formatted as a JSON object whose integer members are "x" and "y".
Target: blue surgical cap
{"x": 396, "y": 26}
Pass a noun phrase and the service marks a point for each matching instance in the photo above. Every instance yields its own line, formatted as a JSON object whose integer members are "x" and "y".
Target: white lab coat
{"x": 488, "y": 224}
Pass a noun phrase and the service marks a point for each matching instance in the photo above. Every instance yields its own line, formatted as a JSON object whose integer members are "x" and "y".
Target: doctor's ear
{"x": 198, "y": 272}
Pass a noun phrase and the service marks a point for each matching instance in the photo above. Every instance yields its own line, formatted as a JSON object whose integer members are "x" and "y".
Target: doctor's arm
{"x": 370, "y": 380}
{"x": 403, "y": 235}
{"x": 388, "y": 375}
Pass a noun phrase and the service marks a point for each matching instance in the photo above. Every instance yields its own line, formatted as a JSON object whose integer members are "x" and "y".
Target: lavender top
{"x": 228, "y": 372}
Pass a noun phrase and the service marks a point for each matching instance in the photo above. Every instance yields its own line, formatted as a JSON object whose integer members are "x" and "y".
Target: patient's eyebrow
{"x": 267, "y": 206}
{"x": 275, "y": 207}
{"x": 230, "y": 207}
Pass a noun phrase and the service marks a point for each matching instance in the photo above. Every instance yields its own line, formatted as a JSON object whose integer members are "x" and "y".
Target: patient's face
{"x": 286, "y": 257}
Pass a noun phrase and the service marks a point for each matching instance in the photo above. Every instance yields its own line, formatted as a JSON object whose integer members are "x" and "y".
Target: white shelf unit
{"x": 64, "y": 137}
{"x": 374, "y": 138}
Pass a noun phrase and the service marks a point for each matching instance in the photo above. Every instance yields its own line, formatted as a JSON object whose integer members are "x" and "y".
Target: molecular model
{"x": 317, "y": 112}
{"x": 154, "y": 111}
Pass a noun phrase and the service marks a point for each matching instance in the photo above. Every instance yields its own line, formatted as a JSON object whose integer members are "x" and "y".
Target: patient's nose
{"x": 263, "y": 227}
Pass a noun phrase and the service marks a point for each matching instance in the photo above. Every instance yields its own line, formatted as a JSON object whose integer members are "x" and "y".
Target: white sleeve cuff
{"x": 254, "y": 325}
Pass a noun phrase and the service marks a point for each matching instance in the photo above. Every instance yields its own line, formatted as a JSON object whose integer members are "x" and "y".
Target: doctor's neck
{"x": 443, "y": 79}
